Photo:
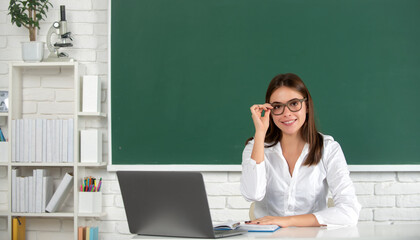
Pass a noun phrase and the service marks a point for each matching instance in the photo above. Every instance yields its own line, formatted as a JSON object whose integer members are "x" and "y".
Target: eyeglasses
{"x": 293, "y": 105}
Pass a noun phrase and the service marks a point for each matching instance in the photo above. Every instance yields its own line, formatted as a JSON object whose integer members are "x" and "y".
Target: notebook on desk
{"x": 168, "y": 204}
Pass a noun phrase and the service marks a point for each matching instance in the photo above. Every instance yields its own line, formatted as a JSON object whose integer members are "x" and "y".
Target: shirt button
{"x": 290, "y": 208}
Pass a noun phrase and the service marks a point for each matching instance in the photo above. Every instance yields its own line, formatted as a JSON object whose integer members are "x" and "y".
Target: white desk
{"x": 362, "y": 231}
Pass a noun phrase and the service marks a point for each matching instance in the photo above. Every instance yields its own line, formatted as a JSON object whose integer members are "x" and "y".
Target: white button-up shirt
{"x": 277, "y": 193}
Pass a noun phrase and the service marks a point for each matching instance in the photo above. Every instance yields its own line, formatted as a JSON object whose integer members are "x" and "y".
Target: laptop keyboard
{"x": 227, "y": 233}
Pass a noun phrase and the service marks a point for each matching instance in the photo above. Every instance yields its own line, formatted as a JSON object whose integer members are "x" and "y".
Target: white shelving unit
{"x": 92, "y": 114}
{"x": 16, "y": 75}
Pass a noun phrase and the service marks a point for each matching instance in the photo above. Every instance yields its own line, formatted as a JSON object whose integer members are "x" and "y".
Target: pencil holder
{"x": 4, "y": 151}
{"x": 90, "y": 202}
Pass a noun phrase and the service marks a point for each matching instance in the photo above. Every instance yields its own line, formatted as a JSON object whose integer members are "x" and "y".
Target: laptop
{"x": 168, "y": 204}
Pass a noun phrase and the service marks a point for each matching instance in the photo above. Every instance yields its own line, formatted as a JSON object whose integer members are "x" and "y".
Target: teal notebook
{"x": 259, "y": 228}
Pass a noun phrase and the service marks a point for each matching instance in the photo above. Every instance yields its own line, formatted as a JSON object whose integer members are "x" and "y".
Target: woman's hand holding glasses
{"x": 261, "y": 122}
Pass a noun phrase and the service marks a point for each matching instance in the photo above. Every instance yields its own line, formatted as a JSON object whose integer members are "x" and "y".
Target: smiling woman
{"x": 288, "y": 166}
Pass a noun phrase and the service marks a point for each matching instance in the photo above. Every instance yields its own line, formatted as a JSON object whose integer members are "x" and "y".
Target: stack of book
{"x": 88, "y": 233}
{"x": 231, "y": 225}
{"x": 34, "y": 194}
{"x": 31, "y": 194}
{"x": 42, "y": 140}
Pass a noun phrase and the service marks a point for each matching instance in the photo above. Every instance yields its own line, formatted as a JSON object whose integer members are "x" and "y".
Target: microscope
{"x": 64, "y": 37}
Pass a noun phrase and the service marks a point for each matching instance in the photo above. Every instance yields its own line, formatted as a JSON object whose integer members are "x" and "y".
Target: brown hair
{"x": 308, "y": 131}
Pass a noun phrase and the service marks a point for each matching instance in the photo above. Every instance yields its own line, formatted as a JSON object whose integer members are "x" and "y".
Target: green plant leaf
{"x": 18, "y": 10}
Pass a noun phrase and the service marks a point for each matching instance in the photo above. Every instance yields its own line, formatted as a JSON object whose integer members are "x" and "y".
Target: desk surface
{"x": 361, "y": 231}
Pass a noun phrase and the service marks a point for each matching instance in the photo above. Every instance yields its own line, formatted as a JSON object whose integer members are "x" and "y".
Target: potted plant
{"x": 28, "y": 13}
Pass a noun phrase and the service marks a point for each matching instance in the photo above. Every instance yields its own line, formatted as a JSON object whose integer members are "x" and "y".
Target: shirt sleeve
{"x": 346, "y": 207}
{"x": 253, "y": 178}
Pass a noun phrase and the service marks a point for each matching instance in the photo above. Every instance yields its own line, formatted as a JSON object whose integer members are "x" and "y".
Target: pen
{"x": 90, "y": 184}
{"x": 99, "y": 185}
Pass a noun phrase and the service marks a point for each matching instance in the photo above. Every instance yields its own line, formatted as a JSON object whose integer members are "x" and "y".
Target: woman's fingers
{"x": 255, "y": 110}
{"x": 260, "y": 107}
{"x": 268, "y": 106}
{"x": 262, "y": 221}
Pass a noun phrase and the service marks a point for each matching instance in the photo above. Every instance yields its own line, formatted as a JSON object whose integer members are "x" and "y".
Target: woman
{"x": 288, "y": 167}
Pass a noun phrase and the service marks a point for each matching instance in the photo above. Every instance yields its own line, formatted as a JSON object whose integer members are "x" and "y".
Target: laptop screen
{"x": 166, "y": 203}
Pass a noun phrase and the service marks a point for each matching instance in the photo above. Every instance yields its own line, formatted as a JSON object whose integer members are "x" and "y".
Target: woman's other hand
{"x": 305, "y": 220}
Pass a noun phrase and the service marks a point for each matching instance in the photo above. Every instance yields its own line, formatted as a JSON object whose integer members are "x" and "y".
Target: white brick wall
{"x": 385, "y": 196}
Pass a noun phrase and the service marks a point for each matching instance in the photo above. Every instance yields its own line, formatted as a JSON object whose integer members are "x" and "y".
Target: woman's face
{"x": 289, "y": 122}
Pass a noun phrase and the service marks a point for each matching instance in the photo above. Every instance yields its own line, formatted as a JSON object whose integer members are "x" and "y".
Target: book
{"x": 22, "y": 194}
{"x": 61, "y": 193}
{"x": 56, "y": 142}
{"x": 229, "y": 225}
{"x": 65, "y": 138}
{"x": 92, "y": 233}
{"x": 49, "y": 140}
{"x": 258, "y": 228}
{"x": 26, "y": 140}
{"x": 96, "y": 231}
{"x": 80, "y": 233}
{"x": 44, "y": 140}
{"x": 87, "y": 233}
{"x": 70, "y": 142}
{"x": 18, "y": 228}
{"x": 15, "y": 174}
{"x": 91, "y": 94}
{"x": 17, "y": 141}
{"x": 38, "y": 141}
{"x": 91, "y": 146}
{"x": 21, "y": 140}
{"x": 26, "y": 187}
{"x": 47, "y": 191}
{"x": 38, "y": 175}
{"x": 17, "y": 194}
{"x": 13, "y": 140}
{"x": 60, "y": 141}
{"x": 32, "y": 140}
{"x": 31, "y": 194}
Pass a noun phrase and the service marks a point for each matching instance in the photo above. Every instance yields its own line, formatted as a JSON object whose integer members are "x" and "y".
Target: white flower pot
{"x": 32, "y": 51}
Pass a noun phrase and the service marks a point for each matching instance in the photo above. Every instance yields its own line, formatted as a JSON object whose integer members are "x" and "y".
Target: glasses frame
{"x": 284, "y": 105}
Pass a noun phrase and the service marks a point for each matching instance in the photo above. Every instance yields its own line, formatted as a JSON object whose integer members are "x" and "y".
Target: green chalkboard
{"x": 185, "y": 72}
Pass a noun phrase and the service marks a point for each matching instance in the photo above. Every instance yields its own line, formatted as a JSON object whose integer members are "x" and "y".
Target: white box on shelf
{"x": 91, "y": 94}
{"x": 90, "y": 146}
{"x": 90, "y": 202}
{"x": 4, "y": 151}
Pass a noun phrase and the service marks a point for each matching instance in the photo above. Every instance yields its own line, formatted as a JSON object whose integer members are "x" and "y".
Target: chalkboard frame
{"x": 203, "y": 167}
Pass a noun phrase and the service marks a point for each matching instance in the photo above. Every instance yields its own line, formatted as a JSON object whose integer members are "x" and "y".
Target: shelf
{"x": 101, "y": 164}
{"x": 92, "y": 114}
{"x": 4, "y": 213}
{"x": 42, "y": 164}
{"x": 42, "y": 64}
{"x": 16, "y": 84}
{"x": 87, "y": 215}
{"x": 57, "y": 214}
